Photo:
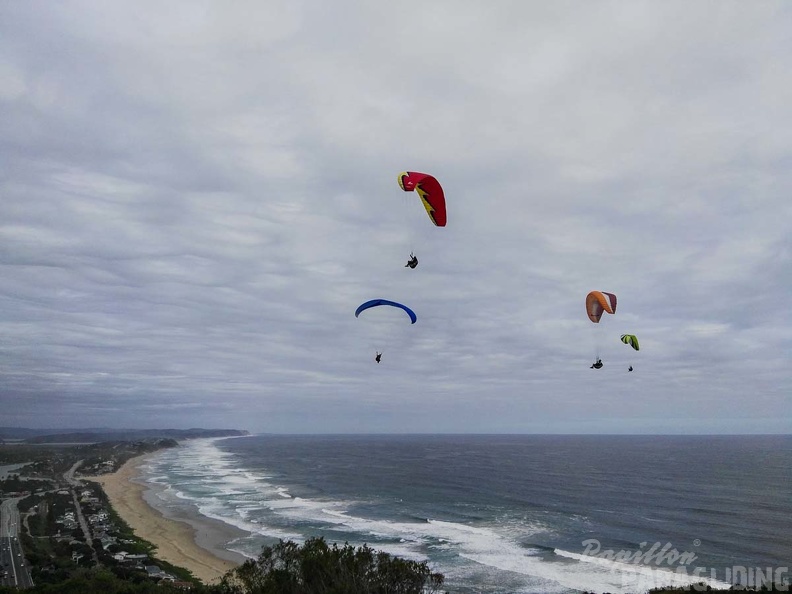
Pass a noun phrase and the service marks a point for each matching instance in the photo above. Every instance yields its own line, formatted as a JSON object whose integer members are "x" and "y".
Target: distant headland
{"x": 65, "y": 436}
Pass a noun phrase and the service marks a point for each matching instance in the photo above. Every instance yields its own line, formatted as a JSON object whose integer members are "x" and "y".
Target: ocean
{"x": 505, "y": 513}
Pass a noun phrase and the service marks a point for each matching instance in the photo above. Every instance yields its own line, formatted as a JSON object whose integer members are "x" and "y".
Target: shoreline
{"x": 186, "y": 542}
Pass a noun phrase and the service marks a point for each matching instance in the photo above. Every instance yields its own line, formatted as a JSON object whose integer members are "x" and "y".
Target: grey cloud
{"x": 193, "y": 201}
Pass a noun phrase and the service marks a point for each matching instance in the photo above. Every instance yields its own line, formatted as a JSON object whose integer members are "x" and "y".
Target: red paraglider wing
{"x": 430, "y": 191}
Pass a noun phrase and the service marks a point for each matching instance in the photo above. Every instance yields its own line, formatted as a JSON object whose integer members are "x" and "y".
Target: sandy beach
{"x": 175, "y": 539}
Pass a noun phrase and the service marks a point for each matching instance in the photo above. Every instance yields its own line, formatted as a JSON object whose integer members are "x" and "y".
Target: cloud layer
{"x": 195, "y": 198}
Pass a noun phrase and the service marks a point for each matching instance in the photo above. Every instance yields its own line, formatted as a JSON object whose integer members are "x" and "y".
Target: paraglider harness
{"x": 378, "y": 357}
{"x": 597, "y": 365}
{"x": 412, "y": 262}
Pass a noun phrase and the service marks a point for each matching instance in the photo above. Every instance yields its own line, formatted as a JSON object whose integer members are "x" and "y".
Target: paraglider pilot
{"x": 378, "y": 357}
{"x": 598, "y": 364}
{"x": 630, "y": 368}
{"x": 412, "y": 262}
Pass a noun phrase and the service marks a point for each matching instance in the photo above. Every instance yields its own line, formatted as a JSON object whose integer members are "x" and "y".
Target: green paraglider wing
{"x": 377, "y": 302}
{"x": 631, "y": 340}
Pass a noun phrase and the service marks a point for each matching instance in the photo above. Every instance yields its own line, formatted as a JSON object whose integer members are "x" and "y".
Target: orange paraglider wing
{"x": 598, "y": 302}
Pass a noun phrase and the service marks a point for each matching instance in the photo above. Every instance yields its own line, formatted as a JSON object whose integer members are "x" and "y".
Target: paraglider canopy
{"x": 598, "y": 302}
{"x": 378, "y": 302}
{"x": 430, "y": 191}
{"x": 631, "y": 340}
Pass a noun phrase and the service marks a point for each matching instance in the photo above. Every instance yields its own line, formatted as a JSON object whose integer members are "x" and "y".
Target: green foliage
{"x": 38, "y": 519}
{"x": 318, "y": 568}
{"x": 15, "y": 484}
{"x": 104, "y": 581}
{"x": 49, "y": 546}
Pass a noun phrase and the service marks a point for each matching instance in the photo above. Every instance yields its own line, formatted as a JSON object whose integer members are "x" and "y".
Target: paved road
{"x": 69, "y": 475}
{"x": 74, "y": 485}
{"x": 13, "y": 567}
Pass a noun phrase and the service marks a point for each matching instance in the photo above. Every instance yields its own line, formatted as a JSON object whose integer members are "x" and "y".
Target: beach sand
{"x": 176, "y": 539}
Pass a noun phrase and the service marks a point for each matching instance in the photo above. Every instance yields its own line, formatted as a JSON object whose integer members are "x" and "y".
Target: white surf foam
{"x": 253, "y": 502}
{"x": 642, "y": 577}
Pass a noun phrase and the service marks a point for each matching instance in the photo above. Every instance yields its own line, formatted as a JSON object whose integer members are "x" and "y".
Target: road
{"x": 69, "y": 474}
{"x": 75, "y": 484}
{"x": 13, "y": 567}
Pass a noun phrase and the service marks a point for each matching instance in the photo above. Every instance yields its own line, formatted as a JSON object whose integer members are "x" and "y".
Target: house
{"x": 155, "y": 572}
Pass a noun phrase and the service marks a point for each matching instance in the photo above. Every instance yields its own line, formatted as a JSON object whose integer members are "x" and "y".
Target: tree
{"x": 319, "y": 568}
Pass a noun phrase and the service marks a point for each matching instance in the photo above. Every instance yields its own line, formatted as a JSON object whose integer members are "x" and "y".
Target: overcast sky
{"x": 196, "y": 196}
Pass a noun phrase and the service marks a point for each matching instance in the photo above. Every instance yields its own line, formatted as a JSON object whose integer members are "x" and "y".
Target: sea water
{"x": 506, "y": 513}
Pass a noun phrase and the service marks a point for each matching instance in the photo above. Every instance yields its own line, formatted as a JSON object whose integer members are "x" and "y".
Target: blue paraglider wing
{"x": 378, "y": 302}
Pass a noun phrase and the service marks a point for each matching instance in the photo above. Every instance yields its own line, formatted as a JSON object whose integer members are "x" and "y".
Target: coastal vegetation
{"x": 48, "y": 462}
{"x": 320, "y": 568}
{"x": 71, "y": 537}
{"x": 101, "y": 580}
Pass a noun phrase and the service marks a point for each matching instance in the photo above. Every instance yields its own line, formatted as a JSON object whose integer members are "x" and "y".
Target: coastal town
{"x": 56, "y": 521}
